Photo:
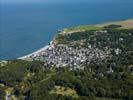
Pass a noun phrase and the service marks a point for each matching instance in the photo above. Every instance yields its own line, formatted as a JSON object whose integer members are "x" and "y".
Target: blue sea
{"x": 26, "y": 27}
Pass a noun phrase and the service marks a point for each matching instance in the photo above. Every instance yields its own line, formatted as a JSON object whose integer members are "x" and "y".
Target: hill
{"x": 84, "y": 63}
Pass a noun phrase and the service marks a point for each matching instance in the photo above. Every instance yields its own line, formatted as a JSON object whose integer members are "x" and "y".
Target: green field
{"x": 64, "y": 91}
{"x": 126, "y": 24}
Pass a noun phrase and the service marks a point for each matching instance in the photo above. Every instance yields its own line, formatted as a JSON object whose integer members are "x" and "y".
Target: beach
{"x": 36, "y": 53}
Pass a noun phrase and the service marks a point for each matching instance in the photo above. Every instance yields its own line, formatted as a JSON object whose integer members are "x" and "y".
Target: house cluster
{"x": 3, "y": 63}
{"x": 62, "y": 55}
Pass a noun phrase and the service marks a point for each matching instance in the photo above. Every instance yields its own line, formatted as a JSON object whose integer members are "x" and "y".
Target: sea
{"x": 26, "y": 27}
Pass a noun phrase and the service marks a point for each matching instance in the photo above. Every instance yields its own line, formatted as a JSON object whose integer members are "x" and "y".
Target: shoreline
{"x": 35, "y": 53}
{"x": 43, "y": 49}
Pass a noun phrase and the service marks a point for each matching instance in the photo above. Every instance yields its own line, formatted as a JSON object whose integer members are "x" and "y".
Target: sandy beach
{"x": 36, "y": 53}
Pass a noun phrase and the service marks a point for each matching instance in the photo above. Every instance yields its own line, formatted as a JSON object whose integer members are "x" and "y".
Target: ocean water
{"x": 26, "y": 27}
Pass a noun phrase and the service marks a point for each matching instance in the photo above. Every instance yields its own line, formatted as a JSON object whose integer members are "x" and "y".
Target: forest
{"x": 110, "y": 80}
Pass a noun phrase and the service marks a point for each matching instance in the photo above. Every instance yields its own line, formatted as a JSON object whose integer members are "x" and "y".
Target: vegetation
{"x": 110, "y": 80}
{"x": 83, "y": 27}
{"x": 93, "y": 81}
{"x": 64, "y": 91}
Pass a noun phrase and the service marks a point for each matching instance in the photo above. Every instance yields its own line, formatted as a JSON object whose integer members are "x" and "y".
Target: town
{"x": 63, "y": 55}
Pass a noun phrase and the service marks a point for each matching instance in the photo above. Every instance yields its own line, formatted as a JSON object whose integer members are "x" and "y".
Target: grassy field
{"x": 126, "y": 24}
{"x": 64, "y": 91}
{"x": 79, "y": 29}
{"x": 82, "y": 28}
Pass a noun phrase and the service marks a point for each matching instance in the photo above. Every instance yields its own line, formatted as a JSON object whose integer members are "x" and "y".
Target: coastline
{"x": 43, "y": 49}
{"x": 35, "y": 53}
